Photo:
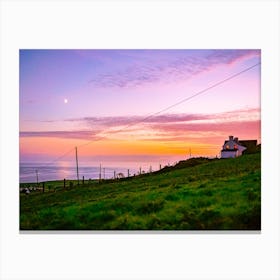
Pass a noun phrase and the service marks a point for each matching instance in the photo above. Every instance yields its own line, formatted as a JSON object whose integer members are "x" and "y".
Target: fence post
{"x": 83, "y": 180}
{"x": 43, "y": 186}
{"x": 64, "y": 183}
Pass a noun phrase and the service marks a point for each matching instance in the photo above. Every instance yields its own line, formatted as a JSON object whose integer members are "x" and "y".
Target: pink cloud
{"x": 168, "y": 127}
{"x": 157, "y": 66}
{"x": 129, "y": 120}
{"x": 241, "y": 127}
{"x": 85, "y": 135}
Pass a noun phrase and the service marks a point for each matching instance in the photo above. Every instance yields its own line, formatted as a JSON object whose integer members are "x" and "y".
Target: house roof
{"x": 248, "y": 142}
{"x": 237, "y": 142}
{"x": 245, "y": 143}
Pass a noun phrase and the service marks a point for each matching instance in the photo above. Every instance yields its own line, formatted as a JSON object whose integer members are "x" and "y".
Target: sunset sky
{"x": 114, "y": 104}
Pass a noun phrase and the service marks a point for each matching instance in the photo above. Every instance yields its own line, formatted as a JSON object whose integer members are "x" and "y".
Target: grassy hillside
{"x": 194, "y": 195}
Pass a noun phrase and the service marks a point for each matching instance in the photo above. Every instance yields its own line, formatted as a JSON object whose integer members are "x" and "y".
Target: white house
{"x": 232, "y": 148}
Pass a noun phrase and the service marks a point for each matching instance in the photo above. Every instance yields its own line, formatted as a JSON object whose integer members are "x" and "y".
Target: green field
{"x": 197, "y": 194}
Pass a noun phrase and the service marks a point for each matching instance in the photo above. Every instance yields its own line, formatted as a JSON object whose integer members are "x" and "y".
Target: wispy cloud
{"x": 231, "y": 56}
{"x": 129, "y": 121}
{"x": 84, "y": 135}
{"x": 117, "y": 121}
{"x": 197, "y": 131}
{"x": 168, "y": 67}
{"x": 167, "y": 127}
{"x": 243, "y": 122}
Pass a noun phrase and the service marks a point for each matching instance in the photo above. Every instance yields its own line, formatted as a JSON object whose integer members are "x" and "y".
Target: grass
{"x": 199, "y": 194}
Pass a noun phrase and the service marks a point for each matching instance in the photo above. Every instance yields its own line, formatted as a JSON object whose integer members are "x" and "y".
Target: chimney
{"x": 230, "y": 138}
{"x": 236, "y": 139}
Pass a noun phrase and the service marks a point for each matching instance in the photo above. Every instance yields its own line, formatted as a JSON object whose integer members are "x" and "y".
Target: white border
{"x": 140, "y": 24}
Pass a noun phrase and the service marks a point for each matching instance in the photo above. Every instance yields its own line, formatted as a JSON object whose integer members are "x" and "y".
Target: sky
{"x": 141, "y": 106}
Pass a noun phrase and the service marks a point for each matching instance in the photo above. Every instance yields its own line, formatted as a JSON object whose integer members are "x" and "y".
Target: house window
{"x": 227, "y": 147}
{"x": 235, "y": 146}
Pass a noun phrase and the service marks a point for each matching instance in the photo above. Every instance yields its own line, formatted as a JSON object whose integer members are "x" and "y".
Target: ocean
{"x": 67, "y": 169}
{"x": 29, "y": 171}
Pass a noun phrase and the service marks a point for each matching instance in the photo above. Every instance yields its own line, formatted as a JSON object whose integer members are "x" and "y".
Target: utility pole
{"x": 104, "y": 173}
{"x": 100, "y": 172}
{"x": 190, "y": 150}
{"x": 37, "y": 176}
{"x": 77, "y": 164}
{"x": 128, "y": 173}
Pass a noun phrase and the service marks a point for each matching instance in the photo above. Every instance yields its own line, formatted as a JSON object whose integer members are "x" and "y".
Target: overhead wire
{"x": 165, "y": 109}
{"x": 179, "y": 102}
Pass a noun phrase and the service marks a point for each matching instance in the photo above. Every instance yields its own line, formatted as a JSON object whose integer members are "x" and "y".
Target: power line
{"x": 180, "y": 102}
{"x": 165, "y": 109}
{"x": 203, "y": 91}
{"x": 60, "y": 157}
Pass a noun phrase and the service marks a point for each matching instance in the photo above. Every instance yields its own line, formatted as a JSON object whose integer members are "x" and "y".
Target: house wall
{"x": 240, "y": 150}
{"x": 232, "y": 144}
{"x": 229, "y": 154}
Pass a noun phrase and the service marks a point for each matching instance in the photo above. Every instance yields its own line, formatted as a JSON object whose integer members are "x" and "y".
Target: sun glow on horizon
{"x": 107, "y": 115}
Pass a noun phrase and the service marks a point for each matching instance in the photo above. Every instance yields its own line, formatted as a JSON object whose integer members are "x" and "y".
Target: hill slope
{"x": 218, "y": 194}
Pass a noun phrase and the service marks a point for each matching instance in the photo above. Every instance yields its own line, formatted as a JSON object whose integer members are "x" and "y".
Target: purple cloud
{"x": 131, "y": 120}
{"x": 171, "y": 65}
{"x": 231, "y": 56}
{"x": 206, "y": 127}
{"x": 168, "y": 127}
{"x": 102, "y": 123}
{"x": 87, "y": 135}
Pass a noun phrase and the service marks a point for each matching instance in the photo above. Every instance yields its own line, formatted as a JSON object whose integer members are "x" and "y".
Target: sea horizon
{"x": 28, "y": 171}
